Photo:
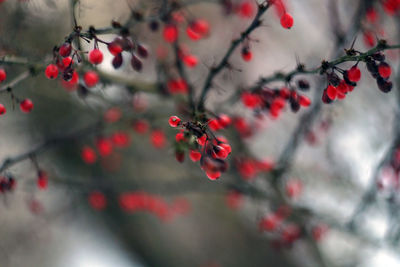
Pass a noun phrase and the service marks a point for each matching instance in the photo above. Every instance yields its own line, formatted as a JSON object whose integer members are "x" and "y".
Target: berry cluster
{"x": 203, "y": 145}
{"x": 275, "y": 100}
{"x": 142, "y": 201}
{"x": 381, "y": 71}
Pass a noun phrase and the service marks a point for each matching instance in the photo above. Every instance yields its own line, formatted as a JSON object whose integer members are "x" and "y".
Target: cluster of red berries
{"x": 339, "y": 88}
{"x": 125, "y": 43}
{"x": 7, "y": 183}
{"x": 142, "y": 201}
{"x": 274, "y": 100}
{"x": 198, "y": 138}
{"x": 381, "y": 71}
{"x": 105, "y": 146}
{"x": 283, "y": 233}
{"x": 196, "y": 29}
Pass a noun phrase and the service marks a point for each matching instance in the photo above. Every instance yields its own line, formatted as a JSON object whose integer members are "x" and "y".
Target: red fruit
{"x": 26, "y": 105}
{"x": 88, "y": 155}
{"x": 71, "y": 84}
{"x": 287, "y": 21}
{"x": 192, "y": 34}
{"x": 51, "y": 71}
{"x": 227, "y": 147}
{"x": 224, "y": 120}
{"x": 158, "y": 138}
{"x": 234, "y": 199}
{"x": 250, "y": 100}
{"x": 97, "y": 200}
{"x": 177, "y": 86}
{"x": 190, "y": 61}
{"x": 202, "y": 140}
{"x": 219, "y": 152}
{"x": 304, "y": 101}
{"x": 120, "y": 139}
{"x": 331, "y": 92}
{"x": 194, "y": 155}
{"x": 180, "y": 156}
{"x": 65, "y": 63}
{"x": 354, "y": 74}
{"x": 269, "y": 223}
{"x": 174, "y": 121}
{"x": 115, "y": 48}
{"x": 2, "y": 109}
{"x": 371, "y": 15}
{"x": 104, "y": 146}
{"x": 42, "y": 180}
{"x": 91, "y": 78}
{"x": 246, "y": 9}
{"x": 170, "y": 33}
{"x": 141, "y": 126}
{"x": 3, "y": 75}
{"x": 294, "y": 188}
{"x": 214, "y": 124}
{"x": 247, "y": 55}
{"x": 213, "y": 175}
{"x": 96, "y": 56}
{"x": 180, "y": 137}
{"x": 384, "y": 70}
{"x": 65, "y": 49}
{"x": 201, "y": 26}
{"x": 247, "y": 169}
{"x": 343, "y": 88}
{"x": 112, "y": 115}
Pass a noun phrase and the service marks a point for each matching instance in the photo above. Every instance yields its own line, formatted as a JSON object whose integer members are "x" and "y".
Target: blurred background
{"x": 339, "y": 159}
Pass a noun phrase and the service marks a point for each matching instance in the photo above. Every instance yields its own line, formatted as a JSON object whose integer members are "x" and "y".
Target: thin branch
{"x": 214, "y": 71}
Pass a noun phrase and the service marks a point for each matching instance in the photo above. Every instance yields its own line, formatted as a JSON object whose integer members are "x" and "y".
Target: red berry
{"x": 294, "y": 188}
{"x": 177, "y": 86}
{"x": 158, "y": 138}
{"x": 170, "y": 33}
{"x": 250, "y": 100}
{"x": 180, "y": 137}
{"x": 120, "y": 139}
{"x": 224, "y": 120}
{"x": 115, "y": 48}
{"x": 65, "y": 49}
{"x": 71, "y": 84}
{"x": 26, "y": 105}
{"x": 97, "y": 200}
{"x": 91, "y": 78}
{"x": 194, "y": 155}
{"x": 247, "y": 55}
{"x": 192, "y": 34}
{"x": 51, "y": 71}
{"x": 104, "y": 146}
{"x": 190, "y": 61}
{"x": 234, "y": 199}
{"x": 202, "y": 140}
{"x": 331, "y": 91}
{"x": 246, "y": 9}
{"x": 269, "y": 223}
{"x": 2, "y": 109}
{"x": 112, "y": 115}
{"x": 354, "y": 74}
{"x": 3, "y": 75}
{"x": 174, "y": 121}
{"x": 141, "y": 126}
{"x": 88, "y": 155}
{"x": 304, "y": 101}
{"x": 96, "y": 56}
{"x": 201, "y": 26}
{"x": 287, "y": 21}
{"x": 384, "y": 70}
{"x": 42, "y": 180}
{"x": 371, "y": 15}
{"x": 214, "y": 125}
{"x": 213, "y": 175}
